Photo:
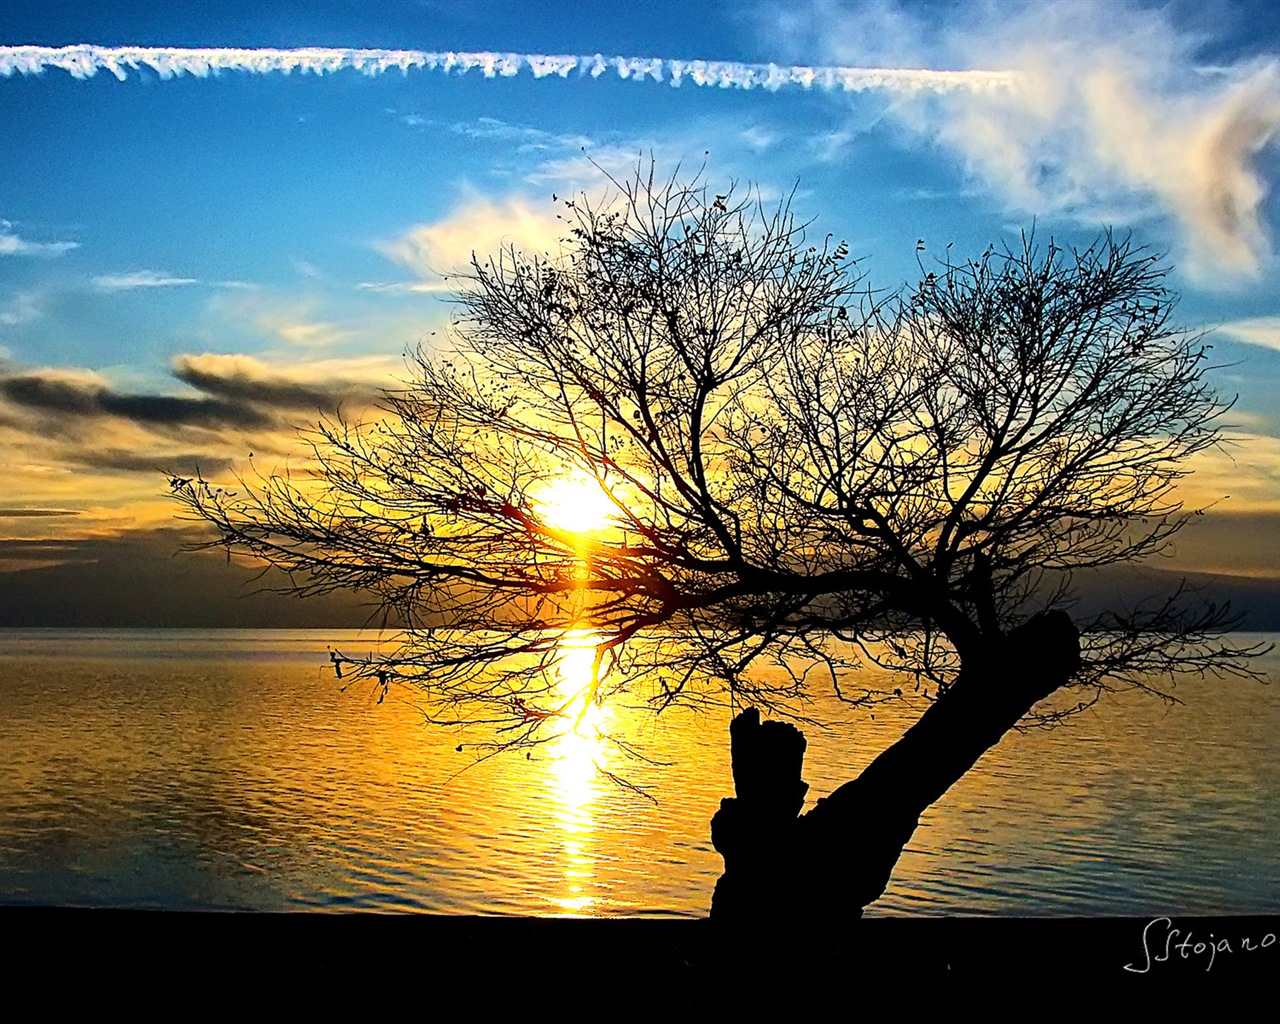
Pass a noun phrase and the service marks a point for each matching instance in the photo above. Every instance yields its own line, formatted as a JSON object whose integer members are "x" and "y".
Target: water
{"x": 227, "y": 770}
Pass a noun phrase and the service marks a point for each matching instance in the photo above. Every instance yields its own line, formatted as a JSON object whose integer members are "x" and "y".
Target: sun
{"x": 575, "y": 503}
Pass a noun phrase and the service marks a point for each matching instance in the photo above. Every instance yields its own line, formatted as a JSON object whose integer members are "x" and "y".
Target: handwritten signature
{"x": 1191, "y": 946}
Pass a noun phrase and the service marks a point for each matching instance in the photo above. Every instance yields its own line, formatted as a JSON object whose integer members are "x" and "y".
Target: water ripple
{"x": 200, "y": 771}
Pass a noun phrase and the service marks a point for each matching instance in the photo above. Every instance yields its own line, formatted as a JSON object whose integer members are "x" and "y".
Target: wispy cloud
{"x": 13, "y": 244}
{"x": 525, "y": 137}
{"x": 1241, "y": 476}
{"x": 1112, "y": 106}
{"x": 757, "y": 138}
{"x": 140, "y": 279}
{"x": 405, "y": 287}
{"x": 135, "y": 279}
{"x": 308, "y": 333}
{"x": 591, "y": 170}
{"x": 23, "y": 308}
{"x": 1260, "y": 330}
{"x": 337, "y": 319}
{"x": 84, "y": 61}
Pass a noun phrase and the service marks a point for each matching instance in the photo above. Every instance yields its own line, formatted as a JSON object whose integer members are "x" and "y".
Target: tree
{"x": 797, "y": 469}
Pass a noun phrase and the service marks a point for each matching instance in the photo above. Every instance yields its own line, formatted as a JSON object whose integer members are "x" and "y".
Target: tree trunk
{"x": 781, "y": 868}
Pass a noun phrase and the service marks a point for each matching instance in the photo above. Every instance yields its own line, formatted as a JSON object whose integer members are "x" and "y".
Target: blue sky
{"x": 186, "y": 261}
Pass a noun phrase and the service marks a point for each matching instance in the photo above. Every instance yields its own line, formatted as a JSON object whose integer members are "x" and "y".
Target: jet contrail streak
{"x": 84, "y": 61}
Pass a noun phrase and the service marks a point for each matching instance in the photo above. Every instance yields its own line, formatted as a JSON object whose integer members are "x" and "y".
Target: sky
{"x": 199, "y": 250}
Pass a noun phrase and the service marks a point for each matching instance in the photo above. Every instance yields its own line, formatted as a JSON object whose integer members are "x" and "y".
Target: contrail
{"x": 84, "y": 61}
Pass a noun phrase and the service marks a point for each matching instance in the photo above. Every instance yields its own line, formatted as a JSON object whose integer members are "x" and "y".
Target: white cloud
{"x": 404, "y": 287}
{"x": 757, "y": 138}
{"x": 479, "y": 225}
{"x": 1261, "y": 330}
{"x": 1110, "y": 107}
{"x": 13, "y": 244}
{"x": 23, "y": 308}
{"x": 308, "y": 334}
{"x": 140, "y": 279}
{"x": 526, "y": 137}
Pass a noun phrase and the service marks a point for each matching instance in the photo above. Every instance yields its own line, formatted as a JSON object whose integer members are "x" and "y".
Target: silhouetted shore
{"x": 320, "y": 956}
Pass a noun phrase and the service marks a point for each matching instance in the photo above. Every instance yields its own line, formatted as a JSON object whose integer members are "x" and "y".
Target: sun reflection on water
{"x": 579, "y": 754}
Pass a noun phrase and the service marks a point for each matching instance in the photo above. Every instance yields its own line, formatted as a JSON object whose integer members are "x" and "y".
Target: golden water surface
{"x": 190, "y": 769}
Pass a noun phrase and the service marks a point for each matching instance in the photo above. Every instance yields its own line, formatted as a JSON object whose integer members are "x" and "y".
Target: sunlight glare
{"x": 579, "y": 752}
{"x": 575, "y": 503}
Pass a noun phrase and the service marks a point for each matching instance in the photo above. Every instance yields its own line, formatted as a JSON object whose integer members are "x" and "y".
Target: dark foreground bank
{"x": 137, "y": 955}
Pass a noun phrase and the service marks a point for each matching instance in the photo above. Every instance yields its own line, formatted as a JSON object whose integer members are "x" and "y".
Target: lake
{"x": 214, "y": 770}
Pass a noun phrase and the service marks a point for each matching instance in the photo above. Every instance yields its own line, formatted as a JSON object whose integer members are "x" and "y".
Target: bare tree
{"x": 798, "y": 470}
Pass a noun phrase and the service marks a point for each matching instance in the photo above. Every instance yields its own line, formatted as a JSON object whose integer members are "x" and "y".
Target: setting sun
{"x": 575, "y": 503}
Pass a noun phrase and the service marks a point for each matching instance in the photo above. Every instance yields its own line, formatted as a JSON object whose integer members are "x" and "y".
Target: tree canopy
{"x": 797, "y": 469}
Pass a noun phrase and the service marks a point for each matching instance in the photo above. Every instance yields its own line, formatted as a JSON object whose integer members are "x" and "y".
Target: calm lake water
{"x": 203, "y": 770}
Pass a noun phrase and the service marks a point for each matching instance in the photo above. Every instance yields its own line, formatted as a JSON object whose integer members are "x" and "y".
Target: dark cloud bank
{"x": 226, "y": 400}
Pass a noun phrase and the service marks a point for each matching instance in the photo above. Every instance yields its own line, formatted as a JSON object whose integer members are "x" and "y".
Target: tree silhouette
{"x": 800, "y": 471}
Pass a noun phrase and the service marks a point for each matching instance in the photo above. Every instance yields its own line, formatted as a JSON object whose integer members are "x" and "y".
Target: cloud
{"x": 140, "y": 279}
{"x": 309, "y": 334}
{"x": 1108, "y": 103}
{"x": 70, "y": 441}
{"x": 85, "y": 61}
{"x": 311, "y": 387}
{"x": 404, "y": 287}
{"x": 1085, "y": 106}
{"x": 1242, "y": 475}
{"x": 304, "y": 322}
{"x": 124, "y": 460}
{"x": 591, "y": 171}
{"x": 235, "y": 391}
{"x": 79, "y": 396}
{"x": 338, "y": 320}
{"x": 757, "y": 138}
{"x": 23, "y": 308}
{"x": 479, "y": 225}
{"x": 13, "y": 244}
{"x": 1261, "y": 330}
{"x": 526, "y": 137}
{"x": 29, "y": 513}
{"x": 17, "y": 554}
